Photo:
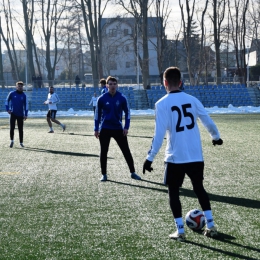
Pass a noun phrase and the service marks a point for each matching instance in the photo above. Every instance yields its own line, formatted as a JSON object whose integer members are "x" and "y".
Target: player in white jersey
{"x": 94, "y": 102}
{"x": 52, "y": 101}
{"x": 176, "y": 116}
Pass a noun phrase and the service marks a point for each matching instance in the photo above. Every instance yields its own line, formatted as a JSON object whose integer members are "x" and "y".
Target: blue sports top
{"x": 17, "y": 102}
{"x": 104, "y": 90}
{"x": 109, "y": 112}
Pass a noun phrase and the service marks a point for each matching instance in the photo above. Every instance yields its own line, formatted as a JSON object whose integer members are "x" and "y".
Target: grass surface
{"x": 53, "y": 206}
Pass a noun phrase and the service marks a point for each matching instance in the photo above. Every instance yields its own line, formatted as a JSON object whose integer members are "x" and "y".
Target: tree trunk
{"x": 145, "y": 67}
{"x": 217, "y": 19}
{"x": 28, "y": 32}
{"x": 187, "y": 35}
{"x": 1, "y": 62}
{"x": 92, "y": 26}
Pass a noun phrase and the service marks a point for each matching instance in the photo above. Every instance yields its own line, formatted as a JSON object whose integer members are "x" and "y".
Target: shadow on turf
{"x": 74, "y": 134}
{"x": 140, "y": 186}
{"x": 138, "y": 136}
{"x": 59, "y": 152}
{"x": 149, "y": 137}
{"x": 248, "y": 203}
{"x": 226, "y": 239}
{"x": 152, "y": 182}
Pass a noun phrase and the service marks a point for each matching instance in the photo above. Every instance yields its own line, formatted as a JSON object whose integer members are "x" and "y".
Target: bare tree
{"x": 1, "y": 60}
{"x": 92, "y": 15}
{"x": 28, "y": 14}
{"x": 145, "y": 66}
{"x": 239, "y": 33}
{"x": 81, "y": 43}
{"x": 254, "y": 12}
{"x": 68, "y": 35}
{"x": 255, "y": 18}
{"x": 174, "y": 47}
{"x": 139, "y": 10}
{"x": 203, "y": 54}
{"x": 187, "y": 22}
{"x": 217, "y": 18}
{"x": 162, "y": 12}
{"x": 227, "y": 61}
{"x": 9, "y": 39}
{"x": 51, "y": 15}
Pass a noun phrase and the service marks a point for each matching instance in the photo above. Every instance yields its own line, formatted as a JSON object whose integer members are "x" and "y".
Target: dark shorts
{"x": 52, "y": 114}
{"x": 174, "y": 173}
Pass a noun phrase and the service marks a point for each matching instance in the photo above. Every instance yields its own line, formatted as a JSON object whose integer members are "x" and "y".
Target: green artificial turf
{"x": 53, "y": 206}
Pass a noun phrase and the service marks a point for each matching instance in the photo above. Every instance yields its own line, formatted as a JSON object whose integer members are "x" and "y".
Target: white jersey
{"x": 54, "y": 99}
{"x": 94, "y": 101}
{"x": 176, "y": 115}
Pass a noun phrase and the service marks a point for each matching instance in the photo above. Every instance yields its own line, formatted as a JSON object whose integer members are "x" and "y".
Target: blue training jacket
{"x": 104, "y": 90}
{"x": 17, "y": 102}
{"x": 109, "y": 112}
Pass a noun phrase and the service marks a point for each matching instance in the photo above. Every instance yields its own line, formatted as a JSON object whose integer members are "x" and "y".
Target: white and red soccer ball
{"x": 195, "y": 219}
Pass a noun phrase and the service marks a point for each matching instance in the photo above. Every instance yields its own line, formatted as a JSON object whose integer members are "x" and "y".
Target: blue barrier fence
{"x": 79, "y": 98}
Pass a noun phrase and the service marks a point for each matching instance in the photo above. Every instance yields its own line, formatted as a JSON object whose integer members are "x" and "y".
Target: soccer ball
{"x": 195, "y": 219}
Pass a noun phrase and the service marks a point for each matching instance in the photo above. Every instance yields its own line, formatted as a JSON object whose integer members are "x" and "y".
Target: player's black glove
{"x": 218, "y": 142}
{"x": 147, "y": 166}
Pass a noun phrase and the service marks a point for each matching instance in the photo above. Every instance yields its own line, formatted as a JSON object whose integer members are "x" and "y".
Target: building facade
{"x": 121, "y": 43}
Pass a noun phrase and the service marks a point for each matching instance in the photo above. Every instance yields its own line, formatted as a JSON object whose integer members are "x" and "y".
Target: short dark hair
{"x": 173, "y": 76}
{"x": 102, "y": 81}
{"x": 112, "y": 79}
{"x": 19, "y": 83}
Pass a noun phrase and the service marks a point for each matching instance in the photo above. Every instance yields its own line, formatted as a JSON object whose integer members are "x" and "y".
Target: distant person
{"x": 39, "y": 81}
{"x": 34, "y": 81}
{"x": 235, "y": 78}
{"x": 17, "y": 107}
{"x": 52, "y": 101}
{"x": 94, "y": 102}
{"x": 77, "y": 80}
{"x": 161, "y": 77}
{"x": 182, "y": 85}
{"x": 176, "y": 116}
{"x": 103, "y": 86}
{"x": 108, "y": 124}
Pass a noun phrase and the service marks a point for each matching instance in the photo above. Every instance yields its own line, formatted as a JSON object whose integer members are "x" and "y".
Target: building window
{"x": 112, "y": 32}
{"x": 113, "y": 65}
{"x": 127, "y": 64}
{"x": 126, "y": 32}
{"x": 127, "y": 48}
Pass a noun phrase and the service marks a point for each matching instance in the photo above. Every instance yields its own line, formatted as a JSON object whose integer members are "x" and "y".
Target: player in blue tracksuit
{"x": 108, "y": 123}
{"x": 17, "y": 106}
{"x": 103, "y": 86}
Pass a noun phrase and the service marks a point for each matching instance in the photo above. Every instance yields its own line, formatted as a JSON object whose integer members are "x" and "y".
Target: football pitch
{"x": 53, "y": 206}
